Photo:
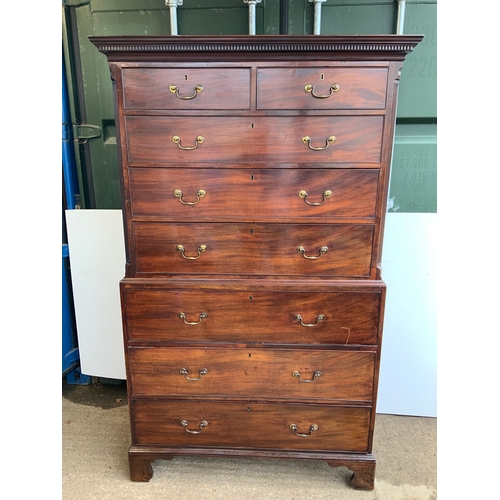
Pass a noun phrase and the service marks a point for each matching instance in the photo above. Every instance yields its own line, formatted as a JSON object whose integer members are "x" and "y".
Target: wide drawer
{"x": 286, "y": 139}
{"x": 186, "y": 88}
{"x": 245, "y": 372}
{"x": 321, "y": 88}
{"x": 188, "y": 314}
{"x": 250, "y": 194}
{"x": 250, "y": 425}
{"x": 250, "y": 249}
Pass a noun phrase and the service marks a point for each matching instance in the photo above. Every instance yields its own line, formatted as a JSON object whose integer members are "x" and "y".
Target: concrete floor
{"x": 96, "y": 437}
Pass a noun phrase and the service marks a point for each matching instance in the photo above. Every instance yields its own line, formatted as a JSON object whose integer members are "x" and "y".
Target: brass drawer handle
{"x": 302, "y": 250}
{"x": 185, "y": 424}
{"x": 202, "y": 316}
{"x": 319, "y": 318}
{"x": 334, "y": 88}
{"x": 201, "y": 249}
{"x": 316, "y": 375}
{"x": 183, "y": 371}
{"x": 177, "y": 140}
{"x": 200, "y": 194}
{"x": 307, "y": 140}
{"x": 313, "y": 428}
{"x": 175, "y": 90}
{"x": 326, "y": 194}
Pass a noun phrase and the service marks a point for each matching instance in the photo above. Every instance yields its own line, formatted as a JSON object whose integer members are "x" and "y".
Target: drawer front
{"x": 251, "y": 316}
{"x": 247, "y": 194}
{"x": 249, "y": 249}
{"x": 321, "y": 88}
{"x": 251, "y": 425}
{"x": 186, "y": 88}
{"x": 263, "y": 373}
{"x": 357, "y": 139}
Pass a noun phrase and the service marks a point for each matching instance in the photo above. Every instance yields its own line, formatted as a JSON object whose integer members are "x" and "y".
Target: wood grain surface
{"x": 256, "y": 316}
{"x": 232, "y": 194}
{"x": 251, "y": 425}
{"x": 253, "y": 249}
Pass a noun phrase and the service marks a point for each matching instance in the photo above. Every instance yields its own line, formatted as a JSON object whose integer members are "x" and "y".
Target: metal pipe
{"x": 284, "y": 16}
{"x": 251, "y": 15}
{"x": 401, "y": 17}
{"x": 173, "y": 4}
{"x": 317, "y": 15}
{"x": 68, "y": 153}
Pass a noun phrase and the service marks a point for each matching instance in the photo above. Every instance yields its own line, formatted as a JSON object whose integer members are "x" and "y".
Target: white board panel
{"x": 408, "y": 369}
{"x": 97, "y": 260}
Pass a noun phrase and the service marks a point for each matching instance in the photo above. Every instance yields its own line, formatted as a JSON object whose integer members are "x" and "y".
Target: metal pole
{"x": 173, "y": 4}
{"x": 401, "y": 17}
{"x": 68, "y": 153}
{"x": 284, "y": 16}
{"x": 251, "y": 15}
{"x": 317, "y": 15}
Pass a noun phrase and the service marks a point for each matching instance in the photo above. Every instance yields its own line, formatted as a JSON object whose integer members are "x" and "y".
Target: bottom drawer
{"x": 251, "y": 425}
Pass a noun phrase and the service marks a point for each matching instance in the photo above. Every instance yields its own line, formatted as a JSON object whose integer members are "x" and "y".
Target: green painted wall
{"x": 418, "y": 90}
{"x": 413, "y": 185}
{"x": 416, "y": 130}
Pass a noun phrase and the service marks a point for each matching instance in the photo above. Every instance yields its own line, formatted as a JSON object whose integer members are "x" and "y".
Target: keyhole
{"x": 251, "y": 297}
{"x": 249, "y": 355}
{"x": 322, "y": 76}
{"x": 253, "y": 125}
{"x": 251, "y": 177}
{"x": 251, "y": 231}
{"x": 185, "y": 77}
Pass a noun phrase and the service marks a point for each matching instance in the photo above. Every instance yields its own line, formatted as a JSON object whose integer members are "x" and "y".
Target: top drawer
{"x": 321, "y": 88}
{"x": 186, "y": 88}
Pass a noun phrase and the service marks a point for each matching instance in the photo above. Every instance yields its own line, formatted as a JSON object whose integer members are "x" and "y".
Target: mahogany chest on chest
{"x": 254, "y": 177}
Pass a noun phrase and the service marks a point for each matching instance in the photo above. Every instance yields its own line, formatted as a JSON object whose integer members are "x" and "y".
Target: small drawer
{"x": 250, "y": 425}
{"x": 253, "y": 249}
{"x": 253, "y": 194}
{"x": 259, "y": 139}
{"x": 228, "y": 313}
{"x": 264, "y": 373}
{"x": 186, "y": 88}
{"x": 321, "y": 88}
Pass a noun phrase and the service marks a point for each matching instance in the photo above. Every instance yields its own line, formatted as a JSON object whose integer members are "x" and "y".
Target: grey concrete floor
{"x": 96, "y": 437}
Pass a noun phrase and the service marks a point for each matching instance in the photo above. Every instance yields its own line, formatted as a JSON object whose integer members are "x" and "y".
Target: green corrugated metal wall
{"x": 413, "y": 180}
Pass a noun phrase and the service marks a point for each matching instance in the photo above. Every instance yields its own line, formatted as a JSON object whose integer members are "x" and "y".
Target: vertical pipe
{"x": 251, "y": 15}
{"x": 173, "y": 4}
{"x": 85, "y": 159}
{"x": 251, "y": 18}
{"x": 317, "y": 16}
{"x": 68, "y": 154}
{"x": 284, "y": 16}
{"x": 173, "y": 20}
{"x": 401, "y": 17}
